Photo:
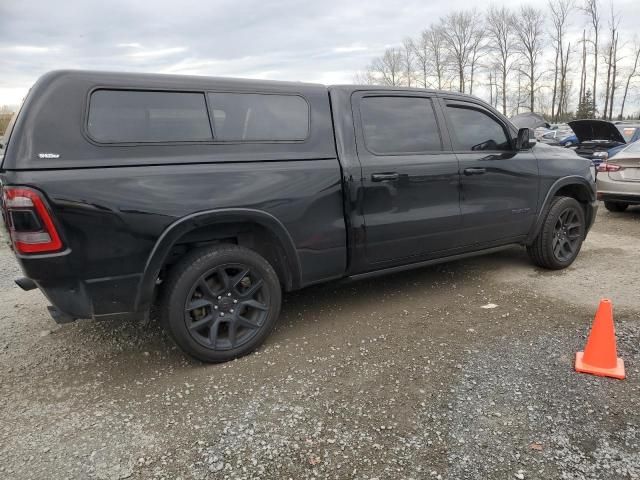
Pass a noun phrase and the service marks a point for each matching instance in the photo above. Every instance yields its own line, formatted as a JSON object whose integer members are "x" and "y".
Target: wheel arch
{"x": 226, "y": 220}
{"x": 575, "y": 187}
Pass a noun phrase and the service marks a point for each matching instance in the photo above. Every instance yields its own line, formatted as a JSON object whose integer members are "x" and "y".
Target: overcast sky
{"x": 323, "y": 41}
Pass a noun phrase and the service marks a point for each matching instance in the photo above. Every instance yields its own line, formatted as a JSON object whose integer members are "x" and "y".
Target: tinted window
{"x": 399, "y": 125}
{"x": 259, "y": 117}
{"x": 474, "y": 130}
{"x": 138, "y": 116}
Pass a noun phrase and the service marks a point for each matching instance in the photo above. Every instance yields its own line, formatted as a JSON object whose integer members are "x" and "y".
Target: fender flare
{"x": 557, "y": 185}
{"x": 185, "y": 224}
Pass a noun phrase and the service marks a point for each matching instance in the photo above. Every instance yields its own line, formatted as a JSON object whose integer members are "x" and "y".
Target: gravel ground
{"x": 402, "y": 377}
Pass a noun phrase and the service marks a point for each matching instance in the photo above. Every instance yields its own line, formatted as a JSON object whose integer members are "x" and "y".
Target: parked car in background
{"x": 549, "y": 137}
{"x": 630, "y": 133}
{"x": 563, "y": 137}
{"x": 596, "y": 138}
{"x": 568, "y": 140}
{"x": 618, "y": 180}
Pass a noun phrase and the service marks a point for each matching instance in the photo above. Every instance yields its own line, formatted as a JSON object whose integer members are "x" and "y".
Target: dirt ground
{"x": 401, "y": 377}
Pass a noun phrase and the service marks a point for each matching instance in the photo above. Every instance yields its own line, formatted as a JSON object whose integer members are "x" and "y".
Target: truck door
{"x": 498, "y": 184}
{"x": 410, "y": 198}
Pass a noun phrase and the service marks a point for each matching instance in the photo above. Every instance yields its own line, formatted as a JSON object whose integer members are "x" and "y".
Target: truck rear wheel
{"x": 560, "y": 238}
{"x": 220, "y": 303}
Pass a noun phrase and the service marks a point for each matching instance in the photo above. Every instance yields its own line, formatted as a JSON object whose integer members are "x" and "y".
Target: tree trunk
{"x": 583, "y": 71}
{"x": 491, "y": 89}
{"x": 532, "y": 87}
{"x": 555, "y": 87}
{"x": 626, "y": 87}
{"x": 504, "y": 89}
{"x": 606, "y": 91}
{"x": 473, "y": 67}
{"x": 613, "y": 76}
{"x": 595, "y": 70}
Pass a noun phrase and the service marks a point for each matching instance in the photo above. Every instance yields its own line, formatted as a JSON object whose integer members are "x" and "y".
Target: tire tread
{"x": 538, "y": 251}
{"x": 194, "y": 260}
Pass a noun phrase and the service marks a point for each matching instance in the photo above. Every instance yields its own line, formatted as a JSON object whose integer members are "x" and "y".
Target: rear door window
{"x": 399, "y": 125}
{"x": 256, "y": 117}
{"x": 474, "y": 130}
{"x": 128, "y": 116}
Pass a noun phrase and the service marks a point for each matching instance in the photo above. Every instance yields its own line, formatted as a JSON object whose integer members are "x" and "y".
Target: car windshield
{"x": 627, "y": 132}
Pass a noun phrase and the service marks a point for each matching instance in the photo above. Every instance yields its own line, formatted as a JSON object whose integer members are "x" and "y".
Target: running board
{"x": 426, "y": 263}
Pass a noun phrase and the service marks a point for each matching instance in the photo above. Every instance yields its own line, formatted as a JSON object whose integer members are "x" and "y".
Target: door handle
{"x": 475, "y": 171}
{"x": 382, "y": 177}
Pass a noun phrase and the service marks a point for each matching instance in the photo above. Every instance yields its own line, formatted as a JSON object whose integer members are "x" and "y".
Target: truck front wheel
{"x": 560, "y": 238}
{"x": 220, "y": 303}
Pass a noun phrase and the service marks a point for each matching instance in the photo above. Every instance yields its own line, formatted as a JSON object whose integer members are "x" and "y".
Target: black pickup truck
{"x": 210, "y": 197}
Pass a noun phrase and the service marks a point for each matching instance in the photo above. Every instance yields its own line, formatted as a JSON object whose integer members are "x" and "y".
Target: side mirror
{"x": 526, "y": 139}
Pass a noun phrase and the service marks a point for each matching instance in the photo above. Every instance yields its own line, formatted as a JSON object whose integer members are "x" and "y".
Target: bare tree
{"x": 611, "y": 59}
{"x": 565, "y": 84}
{"x": 389, "y": 67}
{"x": 583, "y": 69}
{"x": 632, "y": 73}
{"x": 530, "y": 30}
{"x": 436, "y": 44}
{"x": 502, "y": 43}
{"x": 478, "y": 49}
{"x": 459, "y": 31}
{"x": 614, "y": 72}
{"x": 422, "y": 56}
{"x": 559, "y": 14}
{"x": 366, "y": 77}
{"x": 408, "y": 61}
{"x": 504, "y": 52}
{"x": 591, "y": 9}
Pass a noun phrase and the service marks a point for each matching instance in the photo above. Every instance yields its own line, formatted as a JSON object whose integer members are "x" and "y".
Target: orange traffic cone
{"x": 600, "y": 356}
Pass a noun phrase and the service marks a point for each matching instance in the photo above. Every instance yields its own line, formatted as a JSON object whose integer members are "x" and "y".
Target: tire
{"x": 560, "y": 238}
{"x": 220, "y": 303}
{"x": 616, "y": 206}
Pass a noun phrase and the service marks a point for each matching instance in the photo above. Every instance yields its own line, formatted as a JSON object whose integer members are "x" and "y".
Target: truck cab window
{"x": 399, "y": 125}
{"x": 474, "y": 130}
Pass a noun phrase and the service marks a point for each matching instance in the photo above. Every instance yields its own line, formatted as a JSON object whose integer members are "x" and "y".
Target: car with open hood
{"x": 618, "y": 180}
{"x": 601, "y": 139}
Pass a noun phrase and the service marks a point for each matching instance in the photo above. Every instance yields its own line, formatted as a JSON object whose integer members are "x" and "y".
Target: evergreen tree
{"x": 586, "y": 107}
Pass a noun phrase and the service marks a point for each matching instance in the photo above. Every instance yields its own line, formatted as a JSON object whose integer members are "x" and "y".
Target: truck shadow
{"x": 304, "y": 312}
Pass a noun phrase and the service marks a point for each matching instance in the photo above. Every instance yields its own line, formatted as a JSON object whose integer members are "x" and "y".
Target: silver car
{"x": 618, "y": 179}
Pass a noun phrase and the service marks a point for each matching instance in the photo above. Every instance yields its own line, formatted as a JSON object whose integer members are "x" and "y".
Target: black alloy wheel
{"x": 567, "y": 234}
{"x": 221, "y": 302}
{"x": 226, "y": 307}
{"x": 560, "y": 237}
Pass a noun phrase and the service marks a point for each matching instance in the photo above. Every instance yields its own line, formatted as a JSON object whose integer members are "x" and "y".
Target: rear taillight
{"x": 29, "y": 222}
{"x": 608, "y": 167}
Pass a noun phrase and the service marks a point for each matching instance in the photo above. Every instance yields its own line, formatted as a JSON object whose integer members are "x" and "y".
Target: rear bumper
{"x": 617, "y": 190}
{"x": 619, "y": 197}
{"x": 72, "y": 298}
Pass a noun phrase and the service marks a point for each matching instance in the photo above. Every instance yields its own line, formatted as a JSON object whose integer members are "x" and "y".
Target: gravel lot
{"x": 402, "y": 377}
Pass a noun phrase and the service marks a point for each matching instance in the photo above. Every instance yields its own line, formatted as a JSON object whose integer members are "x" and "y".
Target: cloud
{"x": 317, "y": 41}
{"x": 350, "y": 49}
{"x": 129, "y": 45}
{"x": 163, "y": 52}
{"x": 24, "y": 49}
